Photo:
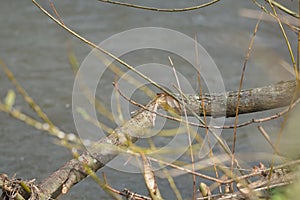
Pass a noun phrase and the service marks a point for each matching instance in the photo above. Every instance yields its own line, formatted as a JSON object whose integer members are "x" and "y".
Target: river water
{"x": 36, "y": 51}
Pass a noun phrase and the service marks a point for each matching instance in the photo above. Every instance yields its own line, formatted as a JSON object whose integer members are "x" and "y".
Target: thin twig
{"x": 55, "y": 11}
{"x": 187, "y": 170}
{"x": 160, "y": 9}
{"x": 239, "y": 91}
{"x": 291, "y": 22}
{"x": 284, "y": 9}
{"x": 91, "y": 44}
{"x": 211, "y": 154}
{"x": 36, "y": 108}
{"x": 187, "y": 127}
{"x": 267, "y": 137}
{"x": 100, "y": 107}
{"x": 286, "y": 40}
{"x": 54, "y": 131}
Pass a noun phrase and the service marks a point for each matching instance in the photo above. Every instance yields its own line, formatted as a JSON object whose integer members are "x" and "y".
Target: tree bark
{"x": 99, "y": 154}
{"x": 251, "y": 100}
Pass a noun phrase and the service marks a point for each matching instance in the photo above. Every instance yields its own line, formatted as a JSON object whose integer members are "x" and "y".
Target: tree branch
{"x": 99, "y": 154}
{"x": 251, "y": 100}
{"x": 104, "y": 150}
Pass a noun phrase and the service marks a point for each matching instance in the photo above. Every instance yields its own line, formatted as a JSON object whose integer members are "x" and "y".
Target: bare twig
{"x": 24, "y": 94}
{"x": 160, "y": 9}
{"x": 187, "y": 127}
{"x": 286, "y": 40}
{"x": 150, "y": 179}
{"x": 267, "y": 137}
{"x": 284, "y": 9}
{"x": 55, "y": 11}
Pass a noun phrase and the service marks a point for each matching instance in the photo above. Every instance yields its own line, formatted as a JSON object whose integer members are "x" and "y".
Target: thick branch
{"x": 99, "y": 154}
{"x": 251, "y": 100}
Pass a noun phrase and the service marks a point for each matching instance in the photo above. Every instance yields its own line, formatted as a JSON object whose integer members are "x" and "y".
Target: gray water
{"x": 36, "y": 51}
